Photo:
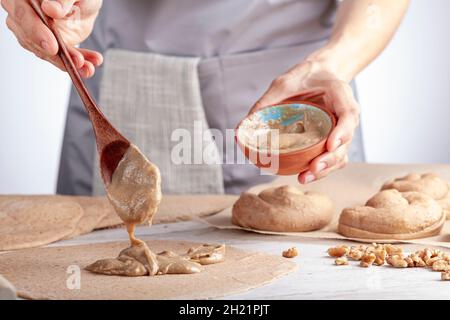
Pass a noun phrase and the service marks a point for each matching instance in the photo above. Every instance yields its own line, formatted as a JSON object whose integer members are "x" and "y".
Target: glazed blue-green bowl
{"x": 285, "y": 114}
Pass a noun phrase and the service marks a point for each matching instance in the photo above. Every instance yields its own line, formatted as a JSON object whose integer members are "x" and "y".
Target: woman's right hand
{"x": 74, "y": 20}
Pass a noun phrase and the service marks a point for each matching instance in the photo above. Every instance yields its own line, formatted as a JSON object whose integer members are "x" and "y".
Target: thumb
{"x": 57, "y": 9}
{"x": 281, "y": 88}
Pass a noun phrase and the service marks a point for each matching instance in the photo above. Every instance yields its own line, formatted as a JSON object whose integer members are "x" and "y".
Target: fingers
{"x": 325, "y": 163}
{"x": 343, "y": 132}
{"x": 77, "y": 57}
{"x": 347, "y": 110}
{"x": 87, "y": 61}
{"x": 31, "y": 33}
{"x": 281, "y": 88}
{"x": 88, "y": 70}
{"x": 57, "y": 9}
{"x": 34, "y": 36}
{"x": 84, "y": 60}
{"x": 92, "y": 56}
{"x": 37, "y": 33}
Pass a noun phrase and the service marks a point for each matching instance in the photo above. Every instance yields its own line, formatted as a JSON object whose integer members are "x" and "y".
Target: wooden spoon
{"x": 111, "y": 145}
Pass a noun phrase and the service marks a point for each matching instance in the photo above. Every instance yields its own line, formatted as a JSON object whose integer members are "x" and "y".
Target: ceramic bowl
{"x": 286, "y": 112}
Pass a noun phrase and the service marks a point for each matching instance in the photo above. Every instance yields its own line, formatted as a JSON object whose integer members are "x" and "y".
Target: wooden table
{"x": 317, "y": 276}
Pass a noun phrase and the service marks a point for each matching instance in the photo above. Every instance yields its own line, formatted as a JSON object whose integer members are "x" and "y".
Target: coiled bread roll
{"x": 445, "y": 203}
{"x": 391, "y": 214}
{"x": 427, "y": 183}
{"x": 283, "y": 209}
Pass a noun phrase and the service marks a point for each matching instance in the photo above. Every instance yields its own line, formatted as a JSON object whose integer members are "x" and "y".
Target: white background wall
{"x": 404, "y": 94}
{"x": 33, "y": 99}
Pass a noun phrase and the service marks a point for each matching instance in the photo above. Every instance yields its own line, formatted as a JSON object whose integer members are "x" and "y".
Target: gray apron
{"x": 148, "y": 97}
{"x": 241, "y": 46}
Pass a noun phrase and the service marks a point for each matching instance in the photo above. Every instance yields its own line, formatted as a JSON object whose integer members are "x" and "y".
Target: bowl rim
{"x": 287, "y": 102}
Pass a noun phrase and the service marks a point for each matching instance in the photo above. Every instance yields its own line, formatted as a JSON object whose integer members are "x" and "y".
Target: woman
{"x": 173, "y": 64}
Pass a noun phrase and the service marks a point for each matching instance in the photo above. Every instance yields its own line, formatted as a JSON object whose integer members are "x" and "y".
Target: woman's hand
{"x": 314, "y": 81}
{"x": 361, "y": 31}
{"x": 74, "y": 20}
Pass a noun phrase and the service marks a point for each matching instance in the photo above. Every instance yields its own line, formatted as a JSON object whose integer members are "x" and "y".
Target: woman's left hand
{"x": 312, "y": 81}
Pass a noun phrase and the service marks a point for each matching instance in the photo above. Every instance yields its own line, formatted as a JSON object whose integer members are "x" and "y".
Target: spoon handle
{"x": 104, "y": 131}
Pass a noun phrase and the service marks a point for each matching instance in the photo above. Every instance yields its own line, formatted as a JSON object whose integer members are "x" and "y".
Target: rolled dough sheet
{"x": 31, "y": 221}
{"x": 182, "y": 208}
{"x": 175, "y": 208}
{"x": 351, "y": 186}
{"x": 94, "y": 211}
{"x": 43, "y": 273}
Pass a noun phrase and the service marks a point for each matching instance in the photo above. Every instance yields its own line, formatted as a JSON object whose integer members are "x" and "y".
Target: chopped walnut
{"x": 341, "y": 261}
{"x": 380, "y": 255}
{"x": 414, "y": 260}
{"x": 393, "y": 250}
{"x": 436, "y": 253}
{"x": 397, "y": 261}
{"x": 290, "y": 253}
{"x": 420, "y": 253}
{"x": 409, "y": 262}
{"x": 369, "y": 250}
{"x": 440, "y": 265}
{"x": 367, "y": 260}
{"x": 376, "y": 247}
{"x": 426, "y": 255}
{"x": 362, "y": 247}
{"x": 445, "y": 275}
{"x": 355, "y": 254}
{"x": 431, "y": 255}
{"x": 338, "y": 251}
{"x": 431, "y": 261}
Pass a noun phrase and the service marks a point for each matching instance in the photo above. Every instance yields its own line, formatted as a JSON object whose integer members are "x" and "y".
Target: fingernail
{"x": 54, "y": 2}
{"x": 309, "y": 177}
{"x": 44, "y": 45}
{"x": 321, "y": 166}
{"x": 338, "y": 143}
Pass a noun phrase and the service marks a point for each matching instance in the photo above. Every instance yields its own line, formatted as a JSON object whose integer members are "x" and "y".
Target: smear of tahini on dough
{"x": 135, "y": 193}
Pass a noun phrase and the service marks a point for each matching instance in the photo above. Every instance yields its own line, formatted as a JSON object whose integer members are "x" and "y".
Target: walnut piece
{"x": 397, "y": 261}
{"x": 290, "y": 253}
{"x": 393, "y": 250}
{"x": 380, "y": 256}
{"x": 445, "y": 276}
{"x": 416, "y": 260}
{"x": 367, "y": 260}
{"x": 341, "y": 261}
{"x": 430, "y": 256}
{"x": 440, "y": 265}
{"x": 355, "y": 254}
{"x": 409, "y": 262}
{"x": 431, "y": 261}
{"x": 338, "y": 251}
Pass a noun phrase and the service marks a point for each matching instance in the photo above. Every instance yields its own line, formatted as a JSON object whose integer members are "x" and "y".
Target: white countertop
{"x": 317, "y": 276}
